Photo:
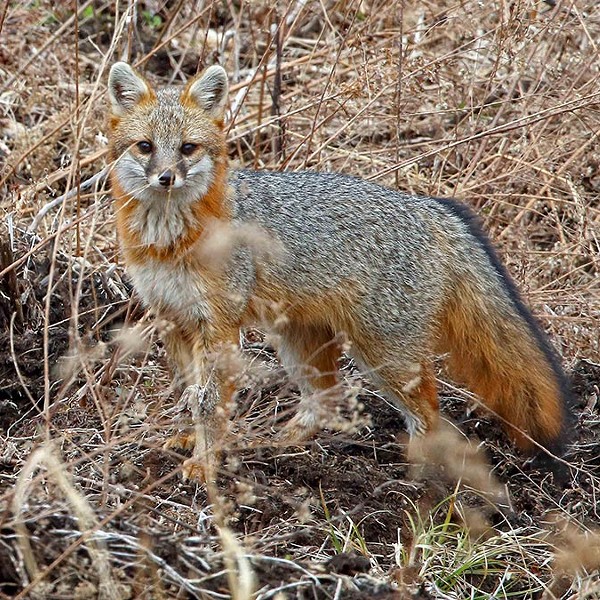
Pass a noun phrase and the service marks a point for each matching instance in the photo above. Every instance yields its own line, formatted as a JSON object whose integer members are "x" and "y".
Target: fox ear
{"x": 209, "y": 92}
{"x": 126, "y": 88}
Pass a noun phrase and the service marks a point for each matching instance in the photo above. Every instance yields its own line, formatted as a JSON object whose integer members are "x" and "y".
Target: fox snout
{"x": 163, "y": 166}
{"x": 166, "y": 178}
{"x": 174, "y": 173}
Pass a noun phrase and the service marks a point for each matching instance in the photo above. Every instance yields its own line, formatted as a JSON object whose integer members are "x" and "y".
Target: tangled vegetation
{"x": 496, "y": 104}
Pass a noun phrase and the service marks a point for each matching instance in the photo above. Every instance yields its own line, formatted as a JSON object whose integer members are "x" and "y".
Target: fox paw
{"x": 298, "y": 430}
{"x": 201, "y": 469}
{"x": 181, "y": 441}
{"x": 197, "y": 470}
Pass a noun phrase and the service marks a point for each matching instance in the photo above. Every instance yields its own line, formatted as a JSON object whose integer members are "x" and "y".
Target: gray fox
{"x": 403, "y": 278}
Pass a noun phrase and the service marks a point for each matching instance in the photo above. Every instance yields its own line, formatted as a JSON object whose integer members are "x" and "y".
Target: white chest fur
{"x": 161, "y": 222}
{"x": 171, "y": 288}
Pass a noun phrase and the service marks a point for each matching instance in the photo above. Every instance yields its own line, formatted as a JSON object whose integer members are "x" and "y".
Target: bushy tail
{"x": 496, "y": 349}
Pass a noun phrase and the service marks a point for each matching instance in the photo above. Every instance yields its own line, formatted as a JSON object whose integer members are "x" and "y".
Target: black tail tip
{"x": 550, "y": 459}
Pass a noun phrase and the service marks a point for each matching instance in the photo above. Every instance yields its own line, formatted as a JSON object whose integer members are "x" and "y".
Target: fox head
{"x": 166, "y": 143}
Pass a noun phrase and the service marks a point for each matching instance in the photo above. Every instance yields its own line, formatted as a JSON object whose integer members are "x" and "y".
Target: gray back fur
{"x": 408, "y": 251}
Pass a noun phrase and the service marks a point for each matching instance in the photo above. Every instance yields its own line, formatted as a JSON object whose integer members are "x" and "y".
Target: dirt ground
{"x": 330, "y": 517}
{"x": 93, "y": 506}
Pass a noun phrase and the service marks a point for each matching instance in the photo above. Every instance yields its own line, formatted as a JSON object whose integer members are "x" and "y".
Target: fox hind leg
{"x": 309, "y": 355}
{"x": 409, "y": 386}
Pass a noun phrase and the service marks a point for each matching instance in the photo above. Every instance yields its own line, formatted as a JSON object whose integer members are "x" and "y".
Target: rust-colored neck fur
{"x": 213, "y": 205}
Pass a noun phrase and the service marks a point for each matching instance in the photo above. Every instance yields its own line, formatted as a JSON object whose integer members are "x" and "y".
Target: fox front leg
{"x": 207, "y": 394}
{"x": 202, "y": 398}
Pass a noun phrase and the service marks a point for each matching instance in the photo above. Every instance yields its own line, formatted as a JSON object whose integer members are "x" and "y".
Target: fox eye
{"x": 188, "y": 148}
{"x": 144, "y": 147}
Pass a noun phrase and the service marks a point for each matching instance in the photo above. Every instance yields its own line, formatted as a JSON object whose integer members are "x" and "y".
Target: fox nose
{"x": 167, "y": 179}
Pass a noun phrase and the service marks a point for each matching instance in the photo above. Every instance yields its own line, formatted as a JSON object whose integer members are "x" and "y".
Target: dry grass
{"x": 497, "y": 104}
